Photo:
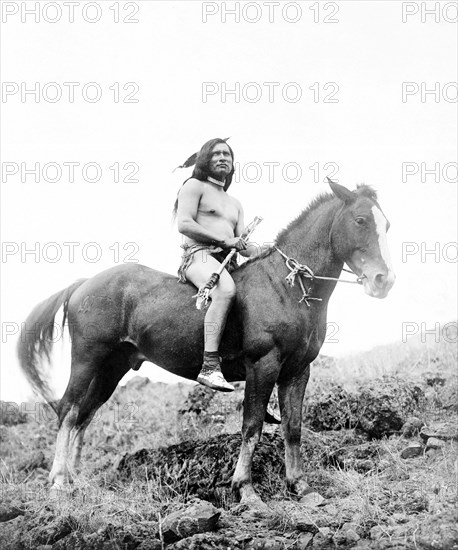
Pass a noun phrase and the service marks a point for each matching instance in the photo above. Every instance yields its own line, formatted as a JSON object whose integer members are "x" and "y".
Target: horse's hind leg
{"x": 107, "y": 377}
{"x": 91, "y": 384}
{"x": 81, "y": 375}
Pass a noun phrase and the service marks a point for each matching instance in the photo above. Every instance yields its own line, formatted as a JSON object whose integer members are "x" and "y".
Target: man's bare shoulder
{"x": 192, "y": 186}
{"x": 193, "y": 183}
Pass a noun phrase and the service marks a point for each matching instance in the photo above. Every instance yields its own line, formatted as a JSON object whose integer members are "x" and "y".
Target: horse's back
{"x": 129, "y": 279}
{"x": 123, "y": 294}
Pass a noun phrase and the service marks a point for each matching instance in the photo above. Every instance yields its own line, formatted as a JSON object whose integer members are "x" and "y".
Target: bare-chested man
{"x": 212, "y": 223}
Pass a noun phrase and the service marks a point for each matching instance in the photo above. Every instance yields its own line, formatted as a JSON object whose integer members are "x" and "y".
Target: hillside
{"x": 379, "y": 443}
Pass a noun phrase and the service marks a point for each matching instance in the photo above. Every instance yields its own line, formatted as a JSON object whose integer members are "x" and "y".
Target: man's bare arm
{"x": 253, "y": 249}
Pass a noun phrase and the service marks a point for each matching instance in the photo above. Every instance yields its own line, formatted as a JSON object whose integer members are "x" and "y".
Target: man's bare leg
{"x": 222, "y": 296}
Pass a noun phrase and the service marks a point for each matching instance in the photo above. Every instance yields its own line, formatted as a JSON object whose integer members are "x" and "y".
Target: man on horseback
{"x": 212, "y": 224}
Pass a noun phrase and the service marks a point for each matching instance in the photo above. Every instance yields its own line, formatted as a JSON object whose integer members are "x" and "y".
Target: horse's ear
{"x": 342, "y": 192}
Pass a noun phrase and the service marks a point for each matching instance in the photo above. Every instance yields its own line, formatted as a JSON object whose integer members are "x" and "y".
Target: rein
{"x": 296, "y": 268}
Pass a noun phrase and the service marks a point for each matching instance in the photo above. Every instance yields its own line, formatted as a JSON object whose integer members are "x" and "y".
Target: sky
{"x": 359, "y": 91}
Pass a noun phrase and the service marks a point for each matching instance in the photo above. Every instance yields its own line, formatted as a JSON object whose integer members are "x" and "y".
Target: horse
{"x": 131, "y": 313}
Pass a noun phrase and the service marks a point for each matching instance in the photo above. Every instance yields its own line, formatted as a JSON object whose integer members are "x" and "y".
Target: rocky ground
{"x": 380, "y": 452}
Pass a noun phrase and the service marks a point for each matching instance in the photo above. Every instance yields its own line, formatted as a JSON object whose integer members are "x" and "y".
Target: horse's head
{"x": 358, "y": 237}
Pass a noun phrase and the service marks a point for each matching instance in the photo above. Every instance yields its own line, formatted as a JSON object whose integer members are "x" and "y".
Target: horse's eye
{"x": 360, "y": 221}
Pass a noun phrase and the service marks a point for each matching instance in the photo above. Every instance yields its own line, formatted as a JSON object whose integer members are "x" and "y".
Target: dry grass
{"x": 146, "y": 417}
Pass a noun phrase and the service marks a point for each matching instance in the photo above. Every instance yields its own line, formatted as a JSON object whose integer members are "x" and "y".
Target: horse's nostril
{"x": 379, "y": 279}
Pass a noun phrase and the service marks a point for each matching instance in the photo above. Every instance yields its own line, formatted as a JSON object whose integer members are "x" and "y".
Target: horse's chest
{"x": 300, "y": 332}
{"x": 265, "y": 331}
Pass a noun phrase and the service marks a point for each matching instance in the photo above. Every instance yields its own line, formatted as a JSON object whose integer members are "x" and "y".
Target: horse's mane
{"x": 362, "y": 190}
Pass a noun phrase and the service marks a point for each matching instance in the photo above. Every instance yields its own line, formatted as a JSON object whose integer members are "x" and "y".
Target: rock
{"x": 51, "y": 532}
{"x": 323, "y": 539}
{"x": 431, "y": 454}
{"x": 351, "y": 536}
{"x": 413, "y": 450}
{"x": 311, "y": 500}
{"x": 361, "y": 457}
{"x": 330, "y": 409}
{"x": 10, "y": 533}
{"x": 434, "y": 443}
{"x": 377, "y": 407}
{"x": 199, "y": 517}
{"x": 304, "y": 541}
{"x": 8, "y": 513}
{"x": 348, "y": 510}
{"x": 412, "y": 426}
{"x": 306, "y": 524}
{"x": 439, "y": 531}
{"x": 440, "y": 430}
{"x": 347, "y": 534}
{"x": 384, "y": 405}
{"x": 331, "y": 509}
{"x": 244, "y": 537}
{"x": 207, "y": 541}
{"x": 271, "y": 544}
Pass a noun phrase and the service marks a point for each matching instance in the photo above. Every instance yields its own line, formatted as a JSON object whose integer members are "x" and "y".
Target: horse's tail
{"x": 36, "y": 340}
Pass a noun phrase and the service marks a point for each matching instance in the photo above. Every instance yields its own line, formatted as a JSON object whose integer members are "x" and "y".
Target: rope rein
{"x": 303, "y": 270}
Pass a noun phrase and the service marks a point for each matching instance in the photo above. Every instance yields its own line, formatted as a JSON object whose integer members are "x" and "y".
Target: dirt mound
{"x": 205, "y": 468}
{"x": 377, "y": 408}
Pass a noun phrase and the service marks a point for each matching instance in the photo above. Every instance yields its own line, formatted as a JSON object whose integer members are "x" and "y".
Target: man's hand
{"x": 253, "y": 249}
{"x": 237, "y": 242}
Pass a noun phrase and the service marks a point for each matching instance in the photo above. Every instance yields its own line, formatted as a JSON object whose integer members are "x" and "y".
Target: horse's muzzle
{"x": 379, "y": 284}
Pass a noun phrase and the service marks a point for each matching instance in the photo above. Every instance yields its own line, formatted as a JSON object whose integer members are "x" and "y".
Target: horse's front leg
{"x": 260, "y": 380}
{"x": 291, "y": 391}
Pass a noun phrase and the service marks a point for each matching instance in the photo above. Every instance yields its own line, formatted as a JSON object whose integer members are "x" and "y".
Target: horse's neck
{"x": 308, "y": 241}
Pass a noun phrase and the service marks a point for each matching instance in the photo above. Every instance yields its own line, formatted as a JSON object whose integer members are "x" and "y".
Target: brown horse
{"x": 131, "y": 313}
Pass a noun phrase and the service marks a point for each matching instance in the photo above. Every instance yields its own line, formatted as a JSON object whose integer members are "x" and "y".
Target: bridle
{"x": 303, "y": 270}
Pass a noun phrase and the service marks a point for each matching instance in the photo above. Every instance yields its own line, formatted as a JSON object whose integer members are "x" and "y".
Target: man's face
{"x": 221, "y": 161}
